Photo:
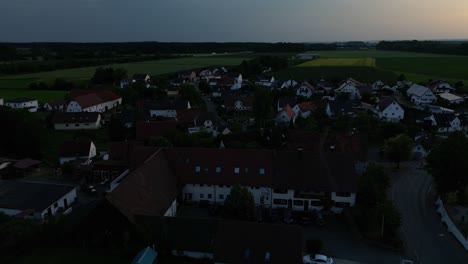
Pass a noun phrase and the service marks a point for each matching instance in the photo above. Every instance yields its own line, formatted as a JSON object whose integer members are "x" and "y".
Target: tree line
{"x": 440, "y": 47}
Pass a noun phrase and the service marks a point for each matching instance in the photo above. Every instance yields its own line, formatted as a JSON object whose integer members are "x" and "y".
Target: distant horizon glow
{"x": 231, "y": 21}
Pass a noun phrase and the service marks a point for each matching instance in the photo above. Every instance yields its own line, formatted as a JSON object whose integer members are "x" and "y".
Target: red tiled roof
{"x": 148, "y": 129}
{"x": 187, "y": 115}
{"x": 309, "y": 106}
{"x": 107, "y": 96}
{"x": 289, "y": 111}
{"x": 74, "y": 148}
{"x": 88, "y": 100}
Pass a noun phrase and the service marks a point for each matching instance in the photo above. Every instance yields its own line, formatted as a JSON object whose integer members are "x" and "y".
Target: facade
{"x": 55, "y": 105}
{"x": 305, "y": 90}
{"x": 287, "y": 115}
{"x": 72, "y": 150}
{"x": 349, "y": 88}
{"x": 1, "y": 102}
{"x": 166, "y": 108}
{"x": 76, "y": 121}
{"x": 389, "y": 110}
{"x": 440, "y": 87}
{"x": 452, "y": 98}
{"x": 420, "y": 95}
{"x": 288, "y": 84}
{"x": 305, "y": 109}
{"x": 35, "y": 200}
{"x": 266, "y": 82}
{"x": 101, "y": 101}
{"x": 23, "y": 103}
{"x": 445, "y": 123}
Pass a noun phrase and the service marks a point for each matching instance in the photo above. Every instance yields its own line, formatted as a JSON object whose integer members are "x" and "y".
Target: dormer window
{"x": 262, "y": 171}
{"x": 197, "y": 169}
{"x": 236, "y": 170}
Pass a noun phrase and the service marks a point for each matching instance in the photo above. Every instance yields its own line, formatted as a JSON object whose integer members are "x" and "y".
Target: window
{"x": 280, "y": 201}
{"x": 77, "y": 125}
{"x": 298, "y": 202}
{"x": 66, "y": 125}
{"x": 262, "y": 171}
{"x": 202, "y": 196}
{"x": 218, "y": 169}
{"x": 236, "y": 170}
{"x": 197, "y": 169}
{"x": 343, "y": 194}
{"x": 315, "y": 203}
{"x": 221, "y": 196}
{"x": 210, "y": 196}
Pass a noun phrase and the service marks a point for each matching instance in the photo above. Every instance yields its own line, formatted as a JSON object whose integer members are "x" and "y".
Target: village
{"x": 180, "y": 147}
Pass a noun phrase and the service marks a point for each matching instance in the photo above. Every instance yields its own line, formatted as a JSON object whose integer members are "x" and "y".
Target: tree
{"x": 447, "y": 162}
{"x": 239, "y": 204}
{"x": 159, "y": 142}
{"x": 398, "y": 148}
{"x": 190, "y": 93}
{"x": 204, "y": 87}
{"x": 402, "y": 77}
{"x": 262, "y": 105}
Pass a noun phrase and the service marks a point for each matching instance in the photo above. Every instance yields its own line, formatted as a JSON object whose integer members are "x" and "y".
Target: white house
{"x": 452, "y": 98}
{"x": 440, "y": 87}
{"x": 287, "y": 115}
{"x": 288, "y": 84}
{"x": 23, "y": 103}
{"x": 81, "y": 150}
{"x": 350, "y": 88}
{"x": 238, "y": 103}
{"x": 376, "y": 86}
{"x": 237, "y": 83}
{"x": 1, "y": 101}
{"x": 35, "y": 200}
{"x": 305, "y": 109}
{"x": 57, "y": 105}
{"x": 389, "y": 110}
{"x": 141, "y": 77}
{"x": 305, "y": 90}
{"x": 99, "y": 101}
{"x": 445, "y": 123}
{"x": 267, "y": 82}
{"x": 76, "y": 121}
{"x": 420, "y": 95}
{"x": 166, "y": 108}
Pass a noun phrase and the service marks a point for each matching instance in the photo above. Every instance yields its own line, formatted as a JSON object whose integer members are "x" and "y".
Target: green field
{"x": 372, "y": 53}
{"x": 158, "y": 67}
{"x": 42, "y": 96}
{"x": 365, "y": 74}
{"x": 339, "y": 62}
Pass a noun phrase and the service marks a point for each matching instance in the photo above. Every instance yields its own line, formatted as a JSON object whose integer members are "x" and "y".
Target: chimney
{"x": 299, "y": 153}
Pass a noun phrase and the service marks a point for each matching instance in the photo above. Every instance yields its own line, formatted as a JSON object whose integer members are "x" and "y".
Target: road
{"x": 426, "y": 238}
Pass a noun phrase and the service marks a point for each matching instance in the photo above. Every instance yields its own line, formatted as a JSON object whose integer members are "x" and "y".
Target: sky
{"x": 231, "y": 20}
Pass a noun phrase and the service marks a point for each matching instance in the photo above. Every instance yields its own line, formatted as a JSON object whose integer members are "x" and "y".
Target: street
{"x": 425, "y": 237}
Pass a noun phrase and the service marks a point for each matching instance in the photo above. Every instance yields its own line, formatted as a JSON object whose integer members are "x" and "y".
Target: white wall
{"x": 1, "y": 101}
{"x": 81, "y": 126}
{"x": 163, "y": 113}
{"x": 70, "y": 197}
{"x": 451, "y": 227}
{"x": 172, "y": 210}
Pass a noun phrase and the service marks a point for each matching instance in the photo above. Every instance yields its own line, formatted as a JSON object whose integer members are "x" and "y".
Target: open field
{"x": 158, "y": 67}
{"x": 365, "y": 74}
{"x": 42, "y": 96}
{"x": 372, "y": 53}
{"x": 339, "y": 62}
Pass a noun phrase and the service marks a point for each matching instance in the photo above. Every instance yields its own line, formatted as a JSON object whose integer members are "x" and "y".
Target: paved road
{"x": 426, "y": 238}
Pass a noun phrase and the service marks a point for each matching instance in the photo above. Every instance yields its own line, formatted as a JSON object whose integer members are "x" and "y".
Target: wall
{"x": 163, "y": 113}
{"x": 192, "y": 254}
{"x": 82, "y": 126}
{"x": 451, "y": 226}
{"x": 70, "y": 197}
{"x": 172, "y": 210}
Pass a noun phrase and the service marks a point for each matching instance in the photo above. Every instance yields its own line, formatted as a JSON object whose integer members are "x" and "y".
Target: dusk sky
{"x": 231, "y": 20}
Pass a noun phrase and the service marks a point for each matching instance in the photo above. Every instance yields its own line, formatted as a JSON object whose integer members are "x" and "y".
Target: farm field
{"x": 336, "y": 73}
{"x": 339, "y": 62}
{"x": 158, "y": 67}
{"x": 372, "y": 53}
{"x": 42, "y": 96}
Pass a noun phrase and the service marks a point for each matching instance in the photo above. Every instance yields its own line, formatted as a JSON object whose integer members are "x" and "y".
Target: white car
{"x": 317, "y": 259}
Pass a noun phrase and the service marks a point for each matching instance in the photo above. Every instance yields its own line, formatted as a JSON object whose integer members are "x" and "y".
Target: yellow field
{"x": 323, "y": 62}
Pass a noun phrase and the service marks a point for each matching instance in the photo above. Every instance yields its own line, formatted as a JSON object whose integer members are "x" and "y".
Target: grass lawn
{"x": 339, "y": 62}
{"x": 42, "y": 96}
{"x": 372, "y": 53}
{"x": 70, "y": 256}
{"x": 365, "y": 74}
{"x": 158, "y": 67}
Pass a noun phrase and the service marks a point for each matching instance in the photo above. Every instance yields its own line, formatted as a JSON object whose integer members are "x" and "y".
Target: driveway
{"x": 426, "y": 239}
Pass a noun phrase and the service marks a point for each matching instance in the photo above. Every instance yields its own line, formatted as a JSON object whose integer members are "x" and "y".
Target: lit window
{"x": 236, "y": 170}
{"x": 218, "y": 169}
{"x": 197, "y": 169}
{"x": 262, "y": 171}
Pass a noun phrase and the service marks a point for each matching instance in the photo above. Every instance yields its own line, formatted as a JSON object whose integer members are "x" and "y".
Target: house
{"x": 420, "y": 95}
{"x": 376, "y": 86}
{"x": 1, "y": 101}
{"x": 287, "y": 115}
{"x": 148, "y": 129}
{"x": 265, "y": 81}
{"x": 440, "y": 86}
{"x": 56, "y": 105}
{"x": 141, "y": 78}
{"x": 19, "y": 168}
{"x": 80, "y": 150}
{"x": 389, "y": 110}
{"x": 288, "y": 84}
{"x": 93, "y": 101}
{"x": 76, "y": 121}
{"x": 349, "y": 87}
{"x": 451, "y": 98}
{"x": 205, "y": 122}
{"x": 35, "y": 200}
{"x": 305, "y": 90}
{"x": 124, "y": 83}
{"x": 444, "y": 123}
{"x": 238, "y": 103}
{"x": 283, "y": 102}
{"x": 343, "y": 107}
{"x": 166, "y": 107}
{"x": 423, "y": 143}
{"x": 187, "y": 75}
{"x": 246, "y": 242}
{"x": 308, "y": 56}
{"x": 305, "y": 109}
{"x": 23, "y": 103}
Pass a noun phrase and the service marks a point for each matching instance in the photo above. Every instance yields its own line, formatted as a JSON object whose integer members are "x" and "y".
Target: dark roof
{"x": 79, "y": 117}
{"x": 148, "y": 191}
{"x": 205, "y": 116}
{"x": 384, "y": 102}
{"x": 341, "y": 106}
{"x": 305, "y": 170}
{"x": 166, "y": 104}
{"x": 363, "y": 89}
{"x": 132, "y": 153}
{"x": 88, "y": 100}
{"x": 26, "y": 163}
{"x": 185, "y": 161}
{"x": 247, "y": 242}
{"x": 191, "y": 234}
{"x": 75, "y": 148}
{"x": 444, "y": 120}
{"x": 148, "y": 129}
{"x": 309, "y": 106}
{"x": 33, "y": 196}
{"x": 20, "y": 100}
{"x": 187, "y": 115}
{"x": 107, "y": 95}
{"x": 58, "y": 102}
{"x": 282, "y": 102}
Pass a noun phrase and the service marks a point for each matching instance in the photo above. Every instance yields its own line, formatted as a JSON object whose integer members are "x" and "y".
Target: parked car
{"x": 317, "y": 259}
